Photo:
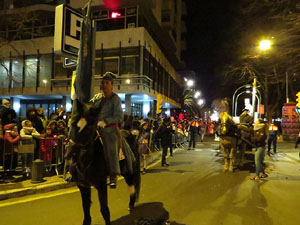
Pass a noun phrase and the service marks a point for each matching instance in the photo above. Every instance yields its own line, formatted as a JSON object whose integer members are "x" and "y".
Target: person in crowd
{"x": 110, "y": 116}
{"x": 245, "y": 118}
{"x": 297, "y": 141}
{"x": 203, "y": 128}
{"x": 48, "y": 142}
{"x": 164, "y": 132}
{"x": 53, "y": 126}
{"x": 61, "y": 128}
{"x": 29, "y": 136}
{"x": 7, "y": 115}
{"x": 259, "y": 139}
{"x": 273, "y": 135}
{"x": 143, "y": 145}
{"x": 34, "y": 119}
{"x": 194, "y": 130}
{"x": 41, "y": 115}
{"x": 11, "y": 141}
{"x": 1, "y": 145}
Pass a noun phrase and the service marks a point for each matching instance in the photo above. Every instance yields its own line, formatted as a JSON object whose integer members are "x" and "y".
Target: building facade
{"x": 140, "y": 41}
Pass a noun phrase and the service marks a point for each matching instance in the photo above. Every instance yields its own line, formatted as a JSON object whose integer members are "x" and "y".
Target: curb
{"x": 48, "y": 187}
{"x": 42, "y": 188}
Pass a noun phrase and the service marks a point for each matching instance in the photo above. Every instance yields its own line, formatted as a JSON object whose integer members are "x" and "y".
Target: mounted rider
{"x": 109, "y": 118}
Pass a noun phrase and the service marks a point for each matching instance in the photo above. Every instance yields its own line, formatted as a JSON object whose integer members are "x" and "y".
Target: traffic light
{"x": 298, "y": 100}
{"x": 159, "y": 104}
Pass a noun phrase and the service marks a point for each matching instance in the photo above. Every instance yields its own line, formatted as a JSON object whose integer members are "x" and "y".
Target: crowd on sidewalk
{"x": 23, "y": 140}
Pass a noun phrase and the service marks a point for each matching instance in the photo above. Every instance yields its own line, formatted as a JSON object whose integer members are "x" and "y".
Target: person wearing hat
{"x": 7, "y": 115}
{"x": 109, "y": 118}
{"x": 164, "y": 132}
{"x": 245, "y": 118}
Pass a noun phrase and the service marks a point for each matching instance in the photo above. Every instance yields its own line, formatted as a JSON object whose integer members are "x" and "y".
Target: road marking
{"x": 198, "y": 150}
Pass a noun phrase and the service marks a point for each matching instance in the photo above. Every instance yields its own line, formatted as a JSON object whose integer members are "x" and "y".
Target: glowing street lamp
{"x": 200, "y": 102}
{"x": 197, "y": 94}
{"x": 265, "y": 45}
{"x": 190, "y": 83}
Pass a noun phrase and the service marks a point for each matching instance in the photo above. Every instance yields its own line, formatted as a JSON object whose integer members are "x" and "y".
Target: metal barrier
{"x": 49, "y": 146}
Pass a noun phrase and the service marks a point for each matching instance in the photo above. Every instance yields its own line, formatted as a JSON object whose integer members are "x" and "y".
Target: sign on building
{"x": 67, "y": 31}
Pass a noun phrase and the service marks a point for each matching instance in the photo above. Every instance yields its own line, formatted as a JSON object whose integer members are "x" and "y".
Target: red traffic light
{"x": 115, "y": 14}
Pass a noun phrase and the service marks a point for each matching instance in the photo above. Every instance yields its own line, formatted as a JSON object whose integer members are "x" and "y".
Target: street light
{"x": 201, "y": 101}
{"x": 265, "y": 45}
{"x": 197, "y": 94}
{"x": 45, "y": 82}
{"x": 190, "y": 83}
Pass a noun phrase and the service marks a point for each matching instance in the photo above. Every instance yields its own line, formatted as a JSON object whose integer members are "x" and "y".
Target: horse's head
{"x": 226, "y": 123}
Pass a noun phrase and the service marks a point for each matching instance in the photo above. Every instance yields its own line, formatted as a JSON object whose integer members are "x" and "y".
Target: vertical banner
{"x": 84, "y": 71}
{"x": 73, "y": 96}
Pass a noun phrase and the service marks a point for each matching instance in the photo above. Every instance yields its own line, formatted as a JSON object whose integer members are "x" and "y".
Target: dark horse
{"x": 87, "y": 162}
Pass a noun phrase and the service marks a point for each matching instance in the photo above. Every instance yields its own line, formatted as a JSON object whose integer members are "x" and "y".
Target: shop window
{"x": 4, "y": 74}
{"x": 45, "y": 70}
{"x": 30, "y": 71}
{"x": 17, "y": 73}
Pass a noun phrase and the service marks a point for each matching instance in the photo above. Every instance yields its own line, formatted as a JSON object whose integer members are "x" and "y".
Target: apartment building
{"x": 140, "y": 41}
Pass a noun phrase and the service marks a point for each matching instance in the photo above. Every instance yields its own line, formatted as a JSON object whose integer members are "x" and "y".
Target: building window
{"x": 111, "y": 65}
{"x": 45, "y": 70}
{"x": 17, "y": 73}
{"x": 4, "y": 74}
{"x": 30, "y": 71}
{"x": 129, "y": 65}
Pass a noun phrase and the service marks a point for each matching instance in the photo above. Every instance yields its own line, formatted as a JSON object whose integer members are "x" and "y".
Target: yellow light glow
{"x": 127, "y": 81}
{"x": 265, "y": 45}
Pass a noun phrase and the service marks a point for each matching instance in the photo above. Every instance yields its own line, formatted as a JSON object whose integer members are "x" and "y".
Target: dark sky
{"x": 208, "y": 29}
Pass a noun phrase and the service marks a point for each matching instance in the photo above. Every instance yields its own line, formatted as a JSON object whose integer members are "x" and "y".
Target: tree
{"x": 190, "y": 104}
{"x": 276, "y": 20}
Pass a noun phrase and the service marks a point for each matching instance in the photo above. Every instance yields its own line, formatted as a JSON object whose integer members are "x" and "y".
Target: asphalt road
{"x": 193, "y": 190}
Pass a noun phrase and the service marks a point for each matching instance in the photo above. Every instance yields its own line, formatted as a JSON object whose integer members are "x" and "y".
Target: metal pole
{"x": 287, "y": 87}
{"x": 253, "y": 96}
{"x": 233, "y": 97}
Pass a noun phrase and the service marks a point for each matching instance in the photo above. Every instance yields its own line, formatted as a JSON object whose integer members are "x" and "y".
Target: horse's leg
{"x": 86, "y": 204}
{"x": 223, "y": 148}
{"x": 231, "y": 158}
{"x": 242, "y": 152}
{"x": 131, "y": 189}
{"x": 102, "y": 195}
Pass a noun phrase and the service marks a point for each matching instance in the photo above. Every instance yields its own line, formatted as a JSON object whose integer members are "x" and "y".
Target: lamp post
{"x": 235, "y": 92}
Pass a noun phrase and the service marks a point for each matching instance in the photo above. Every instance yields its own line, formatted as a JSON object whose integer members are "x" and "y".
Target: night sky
{"x": 208, "y": 32}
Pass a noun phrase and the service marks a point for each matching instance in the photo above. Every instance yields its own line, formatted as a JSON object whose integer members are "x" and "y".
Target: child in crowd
{"x": 11, "y": 140}
{"x": 28, "y": 135}
{"x": 48, "y": 142}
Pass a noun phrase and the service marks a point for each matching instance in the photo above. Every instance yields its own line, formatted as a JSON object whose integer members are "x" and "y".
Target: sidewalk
{"x": 19, "y": 187}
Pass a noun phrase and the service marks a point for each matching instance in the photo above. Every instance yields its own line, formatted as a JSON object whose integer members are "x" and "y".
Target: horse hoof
{"x": 230, "y": 169}
{"x": 87, "y": 221}
{"x": 130, "y": 208}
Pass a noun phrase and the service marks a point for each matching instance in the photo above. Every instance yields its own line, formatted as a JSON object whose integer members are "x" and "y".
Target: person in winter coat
{"x": 42, "y": 117}
{"x": 35, "y": 120}
{"x": 164, "y": 132}
{"x": 11, "y": 141}
{"x": 194, "y": 130}
{"x": 7, "y": 115}
{"x": 143, "y": 144}
{"x": 29, "y": 135}
{"x": 48, "y": 142}
{"x": 53, "y": 126}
